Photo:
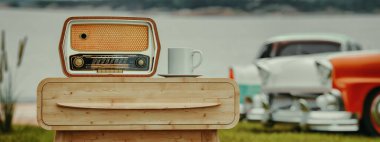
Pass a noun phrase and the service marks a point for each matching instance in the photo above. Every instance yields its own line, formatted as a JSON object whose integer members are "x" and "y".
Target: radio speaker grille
{"x": 109, "y": 37}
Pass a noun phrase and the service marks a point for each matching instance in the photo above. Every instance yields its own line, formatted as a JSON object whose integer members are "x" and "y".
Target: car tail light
{"x": 264, "y": 73}
{"x": 324, "y": 69}
{"x": 231, "y": 73}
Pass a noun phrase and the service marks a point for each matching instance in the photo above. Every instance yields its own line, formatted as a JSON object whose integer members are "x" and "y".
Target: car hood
{"x": 295, "y": 74}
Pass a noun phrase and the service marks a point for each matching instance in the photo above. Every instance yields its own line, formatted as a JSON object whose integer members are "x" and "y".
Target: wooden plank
{"x": 63, "y": 136}
{"x": 219, "y": 99}
{"x": 137, "y": 136}
{"x": 210, "y": 136}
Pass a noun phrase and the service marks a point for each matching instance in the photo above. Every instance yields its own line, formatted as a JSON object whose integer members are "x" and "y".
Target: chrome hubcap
{"x": 375, "y": 110}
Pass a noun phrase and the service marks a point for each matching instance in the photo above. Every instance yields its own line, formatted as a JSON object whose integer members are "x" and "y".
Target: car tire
{"x": 243, "y": 117}
{"x": 370, "y": 123}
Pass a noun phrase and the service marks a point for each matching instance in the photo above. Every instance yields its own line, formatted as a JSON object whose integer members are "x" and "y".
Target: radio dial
{"x": 140, "y": 62}
{"x": 78, "y": 62}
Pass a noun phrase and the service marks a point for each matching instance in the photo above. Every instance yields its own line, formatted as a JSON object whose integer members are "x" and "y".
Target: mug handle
{"x": 200, "y": 58}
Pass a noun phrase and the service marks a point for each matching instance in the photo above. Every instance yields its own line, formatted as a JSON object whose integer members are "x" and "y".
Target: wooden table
{"x": 92, "y": 109}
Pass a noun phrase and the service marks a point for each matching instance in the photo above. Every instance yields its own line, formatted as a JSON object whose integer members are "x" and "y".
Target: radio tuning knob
{"x": 78, "y": 62}
{"x": 140, "y": 62}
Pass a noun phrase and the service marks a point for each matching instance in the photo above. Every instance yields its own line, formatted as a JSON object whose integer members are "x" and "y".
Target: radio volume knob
{"x": 78, "y": 62}
{"x": 140, "y": 62}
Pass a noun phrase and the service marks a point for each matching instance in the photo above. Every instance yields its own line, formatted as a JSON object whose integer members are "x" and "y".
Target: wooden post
{"x": 138, "y": 136}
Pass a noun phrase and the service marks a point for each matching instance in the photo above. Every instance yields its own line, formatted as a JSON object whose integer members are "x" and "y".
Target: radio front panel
{"x": 109, "y": 62}
{"x": 109, "y": 46}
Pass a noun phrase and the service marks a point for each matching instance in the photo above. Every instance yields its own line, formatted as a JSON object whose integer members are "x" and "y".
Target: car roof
{"x": 311, "y": 36}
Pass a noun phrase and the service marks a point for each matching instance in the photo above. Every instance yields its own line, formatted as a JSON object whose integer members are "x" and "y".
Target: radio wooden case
{"x": 109, "y": 46}
{"x": 116, "y": 103}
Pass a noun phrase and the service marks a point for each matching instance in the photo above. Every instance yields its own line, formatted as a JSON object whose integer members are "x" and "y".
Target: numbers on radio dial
{"x": 110, "y": 61}
{"x": 118, "y": 62}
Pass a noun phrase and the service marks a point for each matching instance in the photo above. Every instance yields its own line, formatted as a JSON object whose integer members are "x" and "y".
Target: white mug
{"x": 180, "y": 61}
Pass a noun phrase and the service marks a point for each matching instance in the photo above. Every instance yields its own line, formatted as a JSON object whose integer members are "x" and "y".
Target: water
{"x": 225, "y": 41}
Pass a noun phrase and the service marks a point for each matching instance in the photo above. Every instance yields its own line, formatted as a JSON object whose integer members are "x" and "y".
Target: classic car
{"x": 323, "y": 92}
{"x": 247, "y": 76}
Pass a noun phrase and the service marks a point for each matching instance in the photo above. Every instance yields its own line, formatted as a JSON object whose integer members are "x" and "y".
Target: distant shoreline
{"x": 206, "y": 11}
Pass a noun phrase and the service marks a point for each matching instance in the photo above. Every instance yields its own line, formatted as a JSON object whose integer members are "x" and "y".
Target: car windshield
{"x": 306, "y": 48}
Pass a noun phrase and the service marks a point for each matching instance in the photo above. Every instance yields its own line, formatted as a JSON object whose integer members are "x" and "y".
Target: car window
{"x": 350, "y": 46}
{"x": 266, "y": 51}
{"x": 306, "y": 48}
{"x": 356, "y": 46}
{"x": 353, "y": 46}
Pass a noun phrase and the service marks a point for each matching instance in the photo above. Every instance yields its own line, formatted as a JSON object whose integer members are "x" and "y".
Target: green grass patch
{"x": 254, "y": 132}
{"x": 243, "y": 132}
{"x": 25, "y": 133}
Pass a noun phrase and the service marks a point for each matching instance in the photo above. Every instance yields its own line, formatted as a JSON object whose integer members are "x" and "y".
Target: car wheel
{"x": 371, "y": 116}
{"x": 243, "y": 117}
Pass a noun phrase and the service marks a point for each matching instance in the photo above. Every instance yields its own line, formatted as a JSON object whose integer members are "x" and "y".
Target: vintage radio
{"x": 109, "y": 46}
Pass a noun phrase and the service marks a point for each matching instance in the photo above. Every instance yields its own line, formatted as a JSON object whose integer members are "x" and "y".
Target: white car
{"x": 323, "y": 92}
{"x": 247, "y": 76}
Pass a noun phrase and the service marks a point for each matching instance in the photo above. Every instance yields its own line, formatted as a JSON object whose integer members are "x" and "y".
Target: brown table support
{"x": 138, "y": 136}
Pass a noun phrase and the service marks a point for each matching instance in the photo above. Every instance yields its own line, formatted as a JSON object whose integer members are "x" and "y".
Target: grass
{"x": 25, "y": 133}
{"x": 243, "y": 132}
{"x": 254, "y": 132}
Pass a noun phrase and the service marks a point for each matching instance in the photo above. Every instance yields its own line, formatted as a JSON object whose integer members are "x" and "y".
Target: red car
{"x": 325, "y": 92}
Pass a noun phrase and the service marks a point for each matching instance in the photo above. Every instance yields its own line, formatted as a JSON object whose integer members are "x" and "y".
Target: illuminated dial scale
{"x": 129, "y": 62}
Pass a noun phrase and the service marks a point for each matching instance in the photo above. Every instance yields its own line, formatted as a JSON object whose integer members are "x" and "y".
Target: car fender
{"x": 248, "y": 80}
{"x": 354, "y": 92}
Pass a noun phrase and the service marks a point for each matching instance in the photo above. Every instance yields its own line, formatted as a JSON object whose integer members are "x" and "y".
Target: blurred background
{"x": 229, "y": 32}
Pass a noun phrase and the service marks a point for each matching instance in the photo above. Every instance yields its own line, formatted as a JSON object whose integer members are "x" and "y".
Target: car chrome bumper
{"x": 242, "y": 109}
{"x": 313, "y": 120}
